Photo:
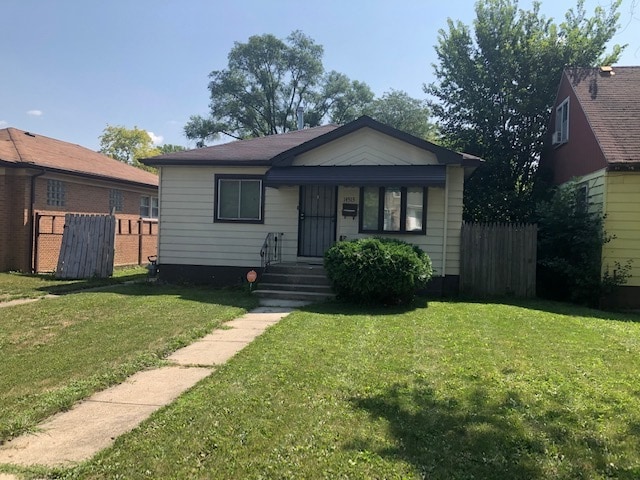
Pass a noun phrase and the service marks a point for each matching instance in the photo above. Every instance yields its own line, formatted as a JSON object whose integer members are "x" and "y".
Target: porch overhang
{"x": 358, "y": 175}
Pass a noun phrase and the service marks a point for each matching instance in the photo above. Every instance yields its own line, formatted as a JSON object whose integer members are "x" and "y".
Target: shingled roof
{"x": 255, "y": 151}
{"x": 279, "y": 150}
{"x": 27, "y": 150}
{"x": 611, "y": 103}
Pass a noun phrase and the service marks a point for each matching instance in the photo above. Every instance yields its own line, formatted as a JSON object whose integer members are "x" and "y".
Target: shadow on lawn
{"x": 74, "y": 286}
{"x": 443, "y": 439}
{"x": 234, "y": 297}
{"x": 477, "y": 437}
{"x": 337, "y": 307}
{"x": 552, "y": 306}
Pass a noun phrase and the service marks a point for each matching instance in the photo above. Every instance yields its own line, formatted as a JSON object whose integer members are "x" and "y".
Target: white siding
{"x": 433, "y": 241}
{"x": 189, "y": 236}
{"x": 366, "y": 147}
{"x": 595, "y": 189}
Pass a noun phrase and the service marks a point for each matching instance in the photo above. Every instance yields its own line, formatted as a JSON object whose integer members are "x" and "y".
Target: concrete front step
{"x": 293, "y": 295}
{"x": 295, "y": 287}
{"x": 306, "y": 279}
{"x": 296, "y": 269}
{"x": 293, "y": 282}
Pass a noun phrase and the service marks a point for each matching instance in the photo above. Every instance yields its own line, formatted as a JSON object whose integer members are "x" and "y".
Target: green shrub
{"x": 377, "y": 270}
{"x": 570, "y": 240}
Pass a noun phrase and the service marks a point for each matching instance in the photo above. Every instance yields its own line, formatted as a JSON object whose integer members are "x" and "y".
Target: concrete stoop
{"x": 293, "y": 285}
{"x": 94, "y": 424}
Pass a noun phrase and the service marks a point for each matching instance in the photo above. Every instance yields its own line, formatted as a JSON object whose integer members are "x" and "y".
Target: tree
{"x": 169, "y": 148}
{"x": 265, "y": 82}
{"x": 127, "y": 145}
{"x": 397, "y": 109}
{"x": 494, "y": 91}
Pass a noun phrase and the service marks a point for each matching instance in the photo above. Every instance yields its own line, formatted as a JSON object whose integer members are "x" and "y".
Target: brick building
{"x": 42, "y": 178}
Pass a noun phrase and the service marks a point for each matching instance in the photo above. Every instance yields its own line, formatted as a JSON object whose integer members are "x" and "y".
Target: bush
{"x": 570, "y": 240}
{"x": 377, "y": 270}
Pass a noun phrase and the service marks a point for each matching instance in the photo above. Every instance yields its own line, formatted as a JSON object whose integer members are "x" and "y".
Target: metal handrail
{"x": 271, "y": 251}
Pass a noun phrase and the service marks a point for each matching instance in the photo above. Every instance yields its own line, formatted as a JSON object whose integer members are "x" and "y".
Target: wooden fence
{"x": 87, "y": 246}
{"x": 498, "y": 259}
{"x": 136, "y": 239}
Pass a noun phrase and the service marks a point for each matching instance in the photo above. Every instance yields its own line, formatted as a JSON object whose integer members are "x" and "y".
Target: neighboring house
{"x": 316, "y": 186}
{"x": 595, "y": 141}
{"x": 43, "y": 178}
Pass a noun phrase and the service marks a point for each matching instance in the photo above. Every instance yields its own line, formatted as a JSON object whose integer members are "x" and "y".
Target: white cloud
{"x": 35, "y": 113}
{"x": 155, "y": 139}
{"x": 3, "y": 123}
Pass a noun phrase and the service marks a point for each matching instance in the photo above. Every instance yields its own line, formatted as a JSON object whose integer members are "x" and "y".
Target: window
{"x": 561, "y": 134}
{"x": 238, "y": 199}
{"x": 582, "y": 197}
{"x": 116, "y": 200}
{"x": 393, "y": 209}
{"x": 55, "y": 193}
{"x": 149, "y": 207}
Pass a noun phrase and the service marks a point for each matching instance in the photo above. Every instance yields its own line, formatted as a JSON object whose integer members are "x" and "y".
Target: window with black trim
{"x": 393, "y": 209}
{"x": 149, "y": 207}
{"x": 116, "y": 200}
{"x": 239, "y": 198}
{"x": 55, "y": 193}
{"x": 561, "y": 134}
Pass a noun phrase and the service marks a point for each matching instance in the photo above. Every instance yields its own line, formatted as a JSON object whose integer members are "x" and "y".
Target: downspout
{"x": 32, "y": 225}
{"x": 446, "y": 226}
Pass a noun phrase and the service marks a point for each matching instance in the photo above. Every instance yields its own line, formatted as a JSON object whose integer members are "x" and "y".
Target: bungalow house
{"x": 42, "y": 179}
{"x": 594, "y": 140}
{"x": 221, "y": 206}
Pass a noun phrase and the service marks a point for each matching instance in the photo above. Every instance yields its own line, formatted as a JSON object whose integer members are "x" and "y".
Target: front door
{"x": 317, "y": 220}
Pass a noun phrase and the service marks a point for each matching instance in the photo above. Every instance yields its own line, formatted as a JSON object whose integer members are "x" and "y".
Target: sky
{"x": 72, "y": 67}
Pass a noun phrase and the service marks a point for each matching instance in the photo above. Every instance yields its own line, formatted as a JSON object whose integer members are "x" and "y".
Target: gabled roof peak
{"x": 279, "y": 150}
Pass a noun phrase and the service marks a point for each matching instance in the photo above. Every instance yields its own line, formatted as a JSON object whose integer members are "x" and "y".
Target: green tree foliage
{"x": 265, "y": 82}
{"x": 127, "y": 145}
{"x": 170, "y": 148}
{"x": 377, "y": 270}
{"x": 397, "y": 109}
{"x": 494, "y": 89}
{"x": 570, "y": 240}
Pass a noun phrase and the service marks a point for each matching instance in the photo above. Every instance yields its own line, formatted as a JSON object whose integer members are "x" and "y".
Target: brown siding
{"x": 581, "y": 155}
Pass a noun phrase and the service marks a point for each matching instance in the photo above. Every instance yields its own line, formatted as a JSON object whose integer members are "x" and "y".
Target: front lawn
{"x": 18, "y": 285}
{"x": 445, "y": 391}
{"x": 57, "y": 351}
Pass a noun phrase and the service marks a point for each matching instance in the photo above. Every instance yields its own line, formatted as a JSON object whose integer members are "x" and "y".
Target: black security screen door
{"x": 317, "y": 215}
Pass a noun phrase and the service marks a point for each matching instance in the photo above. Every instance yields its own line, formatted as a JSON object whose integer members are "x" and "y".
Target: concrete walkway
{"x": 94, "y": 423}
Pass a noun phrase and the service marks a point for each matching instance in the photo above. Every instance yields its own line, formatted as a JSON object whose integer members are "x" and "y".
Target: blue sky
{"x": 70, "y": 67}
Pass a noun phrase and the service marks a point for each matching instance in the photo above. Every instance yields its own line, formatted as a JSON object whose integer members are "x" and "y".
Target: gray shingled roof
{"x": 279, "y": 150}
{"x": 23, "y": 149}
{"x": 611, "y": 104}
{"x": 255, "y": 151}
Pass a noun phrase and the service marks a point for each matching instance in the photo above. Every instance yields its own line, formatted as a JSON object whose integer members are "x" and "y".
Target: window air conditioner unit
{"x": 556, "y": 138}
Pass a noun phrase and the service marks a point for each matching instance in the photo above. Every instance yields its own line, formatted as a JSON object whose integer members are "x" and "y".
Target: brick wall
{"x": 81, "y": 196}
{"x": 14, "y": 219}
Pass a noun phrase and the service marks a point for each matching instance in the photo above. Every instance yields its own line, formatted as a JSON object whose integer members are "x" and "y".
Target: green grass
{"x": 14, "y": 286}
{"x": 56, "y": 351}
{"x": 448, "y": 391}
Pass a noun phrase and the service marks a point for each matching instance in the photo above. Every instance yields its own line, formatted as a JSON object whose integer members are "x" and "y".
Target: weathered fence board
{"x": 136, "y": 239}
{"x": 87, "y": 248}
{"x": 498, "y": 259}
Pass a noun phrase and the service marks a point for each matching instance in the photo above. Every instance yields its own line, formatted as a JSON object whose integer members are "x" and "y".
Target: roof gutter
{"x": 32, "y": 223}
{"x": 78, "y": 174}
